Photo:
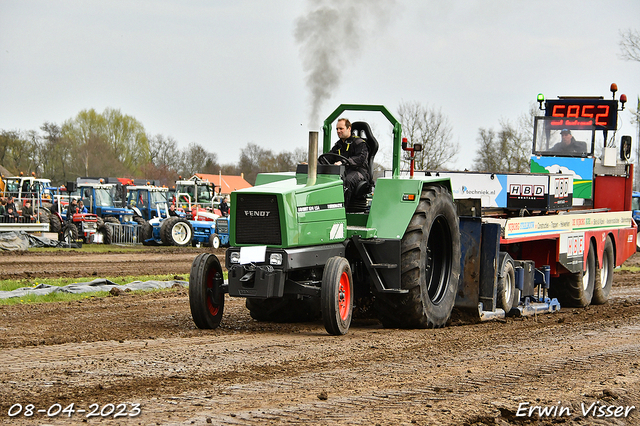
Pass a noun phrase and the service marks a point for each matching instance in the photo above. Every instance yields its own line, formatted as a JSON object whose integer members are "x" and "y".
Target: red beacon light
{"x": 623, "y": 97}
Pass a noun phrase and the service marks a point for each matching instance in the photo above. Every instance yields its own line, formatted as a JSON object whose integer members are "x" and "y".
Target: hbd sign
{"x": 575, "y": 245}
{"x": 571, "y": 252}
{"x": 527, "y": 192}
{"x": 524, "y": 190}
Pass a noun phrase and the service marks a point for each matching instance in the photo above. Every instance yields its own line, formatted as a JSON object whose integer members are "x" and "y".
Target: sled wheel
{"x": 604, "y": 280}
{"x": 336, "y": 296}
{"x": 430, "y": 261}
{"x": 576, "y": 289}
{"x": 206, "y": 298}
{"x": 507, "y": 286}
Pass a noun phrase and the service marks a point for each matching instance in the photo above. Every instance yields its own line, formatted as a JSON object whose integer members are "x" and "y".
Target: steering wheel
{"x": 323, "y": 159}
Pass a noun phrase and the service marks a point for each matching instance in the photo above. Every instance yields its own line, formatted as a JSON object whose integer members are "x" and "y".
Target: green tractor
{"x": 298, "y": 253}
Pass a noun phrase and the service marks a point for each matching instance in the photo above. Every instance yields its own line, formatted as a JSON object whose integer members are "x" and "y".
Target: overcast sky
{"x": 226, "y": 73}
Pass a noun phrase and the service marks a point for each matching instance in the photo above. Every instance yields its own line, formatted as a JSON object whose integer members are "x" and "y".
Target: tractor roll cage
{"x": 397, "y": 130}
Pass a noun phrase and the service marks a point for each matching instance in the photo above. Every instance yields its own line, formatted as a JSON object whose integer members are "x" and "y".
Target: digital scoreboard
{"x": 582, "y": 113}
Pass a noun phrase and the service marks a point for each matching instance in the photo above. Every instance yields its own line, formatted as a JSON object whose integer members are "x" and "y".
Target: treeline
{"x": 114, "y": 144}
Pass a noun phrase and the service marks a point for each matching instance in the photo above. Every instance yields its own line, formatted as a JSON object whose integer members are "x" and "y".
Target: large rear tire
{"x": 55, "y": 224}
{"x": 336, "y": 296}
{"x": 44, "y": 216}
{"x": 604, "y": 280}
{"x": 206, "y": 298}
{"x": 176, "y": 231}
{"x": 576, "y": 290}
{"x": 430, "y": 265}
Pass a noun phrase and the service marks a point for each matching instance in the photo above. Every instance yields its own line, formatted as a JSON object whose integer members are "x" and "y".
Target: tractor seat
{"x": 358, "y": 201}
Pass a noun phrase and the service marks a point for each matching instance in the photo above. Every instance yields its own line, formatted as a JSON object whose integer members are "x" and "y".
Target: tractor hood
{"x": 282, "y": 211}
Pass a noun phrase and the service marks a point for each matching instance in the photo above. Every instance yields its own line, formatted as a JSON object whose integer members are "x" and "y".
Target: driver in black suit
{"x": 355, "y": 153}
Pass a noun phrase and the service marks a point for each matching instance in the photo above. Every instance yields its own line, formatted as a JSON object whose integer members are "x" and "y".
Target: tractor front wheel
{"x": 214, "y": 241}
{"x": 206, "y": 298}
{"x": 146, "y": 233}
{"x": 336, "y": 296}
{"x": 69, "y": 233}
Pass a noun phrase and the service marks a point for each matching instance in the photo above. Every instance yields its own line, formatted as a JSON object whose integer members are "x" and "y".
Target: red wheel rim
{"x": 344, "y": 296}
{"x": 212, "y": 307}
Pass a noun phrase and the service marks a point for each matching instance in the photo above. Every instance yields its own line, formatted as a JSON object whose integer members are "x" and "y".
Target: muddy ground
{"x": 144, "y": 349}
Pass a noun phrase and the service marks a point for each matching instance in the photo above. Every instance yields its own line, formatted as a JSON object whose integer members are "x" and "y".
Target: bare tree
{"x": 508, "y": 149}
{"x": 431, "y": 128}
{"x": 196, "y": 159}
{"x": 164, "y": 152}
{"x": 630, "y": 45}
{"x": 254, "y": 160}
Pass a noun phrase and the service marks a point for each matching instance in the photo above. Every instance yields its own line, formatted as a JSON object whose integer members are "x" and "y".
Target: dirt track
{"x": 145, "y": 349}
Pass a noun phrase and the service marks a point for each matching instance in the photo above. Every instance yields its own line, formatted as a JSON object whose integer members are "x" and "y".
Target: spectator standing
{"x": 224, "y": 207}
{"x": 72, "y": 209}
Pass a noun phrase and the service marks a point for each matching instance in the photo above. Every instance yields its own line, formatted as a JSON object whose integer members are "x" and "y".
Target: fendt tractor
{"x": 412, "y": 251}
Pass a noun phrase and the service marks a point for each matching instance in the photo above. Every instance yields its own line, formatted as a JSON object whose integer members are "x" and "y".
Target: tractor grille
{"x": 222, "y": 226}
{"x": 257, "y": 220}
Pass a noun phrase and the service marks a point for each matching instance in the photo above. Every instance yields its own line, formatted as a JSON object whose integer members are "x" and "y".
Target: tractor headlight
{"x": 234, "y": 257}
{"x": 275, "y": 259}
